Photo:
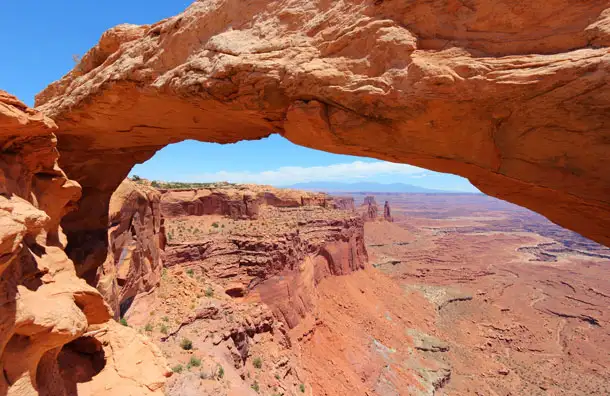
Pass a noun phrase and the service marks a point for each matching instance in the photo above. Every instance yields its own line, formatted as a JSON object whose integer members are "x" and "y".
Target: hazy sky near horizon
{"x": 41, "y": 38}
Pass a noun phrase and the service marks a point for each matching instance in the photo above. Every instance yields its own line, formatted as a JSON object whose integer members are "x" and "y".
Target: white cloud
{"x": 347, "y": 172}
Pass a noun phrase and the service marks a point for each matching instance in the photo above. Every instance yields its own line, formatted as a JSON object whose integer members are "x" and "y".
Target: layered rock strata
{"x": 277, "y": 259}
{"x": 242, "y": 201}
{"x": 511, "y": 95}
{"x": 49, "y": 315}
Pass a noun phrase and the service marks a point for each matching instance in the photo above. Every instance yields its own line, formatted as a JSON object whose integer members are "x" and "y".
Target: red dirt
{"x": 464, "y": 295}
{"x": 532, "y": 301}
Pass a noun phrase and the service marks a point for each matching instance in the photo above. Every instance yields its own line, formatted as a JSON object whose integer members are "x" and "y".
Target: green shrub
{"x": 190, "y": 272}
{"x": 257, "y": 362}
{"x": 194, "y": 362}
{"x": 209, "y": 292}
{"x": 302, "y": 388}
{"x": 165, "y": 319}
{"x": 163, "y": 329}
{"x": 148, "y": 328}
{"x": 255, "y": 386}
{"x": 177, "y": 368}
{"x": 123, "y": 321}
{"x": 221, "y": 372}
{"x": 186, "y": 344}
{"x": 277, "y": 376}
{"x": 215, "y": 224}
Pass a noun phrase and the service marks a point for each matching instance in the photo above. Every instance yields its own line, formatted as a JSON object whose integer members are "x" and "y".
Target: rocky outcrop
{"x": 511, "y": 95}
{"x": 278, "y": 259}
{"x": 236, "y": 201}
{"x": 369, "y": 208}
{"x": 343, "y": 203}
{"x": 387, "y": 213}
{"x": 46, "y": 311}
{"x": 135, "y": 240}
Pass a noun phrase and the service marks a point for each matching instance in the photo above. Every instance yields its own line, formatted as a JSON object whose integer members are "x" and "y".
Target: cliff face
{"x": 244, "y": 289}
{"x": 241, "y": 201}
{"x": 51, "y": 319}
{"x": 135, "y": 240}
{"x": 277, "y": 259}
{"x": 509, "y": 94}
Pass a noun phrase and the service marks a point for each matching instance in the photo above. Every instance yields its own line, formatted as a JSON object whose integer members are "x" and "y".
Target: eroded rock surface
{"x": 44, "y": 307}
{"x": 387, "y": 212}
{"x": 511, "y": 95}
{"x": 135, "y": 240}
{"x": 369, "y": 208}
{"x": 281, "y": 256}
{"x": 240, "y": 201}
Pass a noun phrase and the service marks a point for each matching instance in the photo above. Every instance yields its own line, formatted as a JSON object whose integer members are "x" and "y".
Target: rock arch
{"x": 513, "y": 97}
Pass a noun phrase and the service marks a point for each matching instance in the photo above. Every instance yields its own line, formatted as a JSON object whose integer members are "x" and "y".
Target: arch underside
{"x": 515, "y": 99}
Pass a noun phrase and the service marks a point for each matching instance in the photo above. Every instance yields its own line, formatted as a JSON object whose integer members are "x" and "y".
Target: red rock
{"x": 45, "y": 308}
{"x": 513, "y": 97}
{"x": 236, "y": 201}
{"x": 135, "y": 239}
{"x": 387, "y": 215}
{"x": 369, "y": 208}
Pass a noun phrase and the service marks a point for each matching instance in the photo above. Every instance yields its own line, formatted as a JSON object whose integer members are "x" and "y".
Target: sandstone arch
{"x": 513, "y": 95}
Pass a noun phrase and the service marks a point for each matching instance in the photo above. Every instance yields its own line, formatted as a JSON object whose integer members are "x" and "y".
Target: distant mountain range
{"x": 368, "y": 187}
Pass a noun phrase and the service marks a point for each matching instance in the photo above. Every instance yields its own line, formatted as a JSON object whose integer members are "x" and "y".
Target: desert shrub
{"x": 209, "y": 292}
{"x": 165, "y": 319}
{"x": 302, "y": 388}
{"x": 186, "y": 344}
{"x": 190, "y": 272}
{"x": 155, "y": 184}
{"x": 215, "y": 224}
{"x": 255, "y": 387}
{"x": 163, "y": 329}
{"x": 221, "y": 372}
{"x": 257, "y": 362}
{"x": 123, "y": 321}
{"x": 177, "y": 368}
{"x": 277, "y": 376}
{"x": 136, "y": 178}
{"x": 148, "y": 328}
{"x": 194, "y": 362}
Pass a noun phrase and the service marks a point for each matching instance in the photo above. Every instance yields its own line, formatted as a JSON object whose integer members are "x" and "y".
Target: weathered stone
{"x": 511, "y": 95}
{"x": 45, "y": 309}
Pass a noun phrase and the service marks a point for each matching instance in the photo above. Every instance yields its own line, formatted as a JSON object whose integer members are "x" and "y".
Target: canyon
{"x": 303, "y": 286}
{"x": 459, "y": 294}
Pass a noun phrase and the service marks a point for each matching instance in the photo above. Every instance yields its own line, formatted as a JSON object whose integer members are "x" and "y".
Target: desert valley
{"x": 115, "y": 284}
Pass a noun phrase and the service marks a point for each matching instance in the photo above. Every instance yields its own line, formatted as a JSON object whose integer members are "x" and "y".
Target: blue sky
{"x": 41, "y": 37}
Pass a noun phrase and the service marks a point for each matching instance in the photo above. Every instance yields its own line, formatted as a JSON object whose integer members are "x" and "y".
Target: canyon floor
{"x": 460, "y": 295}
{"x": 523, "y": 304}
